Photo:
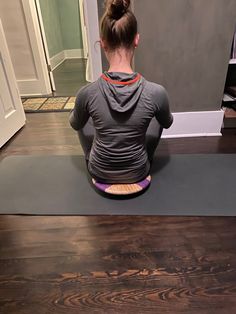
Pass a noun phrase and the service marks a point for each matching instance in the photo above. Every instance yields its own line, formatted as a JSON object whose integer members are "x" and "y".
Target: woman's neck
{"x": 120, "y": 61}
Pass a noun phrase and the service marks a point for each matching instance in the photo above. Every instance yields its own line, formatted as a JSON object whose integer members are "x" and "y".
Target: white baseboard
{"x": 74, "y": 53}
{"x": 57, "y": 59}
{"x": 195, "y": 124}
{"x": 66, "y": 54}
{"x": 31, "y": 88}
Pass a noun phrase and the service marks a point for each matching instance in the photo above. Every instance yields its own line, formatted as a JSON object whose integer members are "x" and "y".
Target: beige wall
{"x": 14, "y": 24}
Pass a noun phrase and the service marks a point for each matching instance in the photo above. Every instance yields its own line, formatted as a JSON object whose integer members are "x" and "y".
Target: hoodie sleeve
{"x": 163, "y": 113}
{"x": 79, "y": 115}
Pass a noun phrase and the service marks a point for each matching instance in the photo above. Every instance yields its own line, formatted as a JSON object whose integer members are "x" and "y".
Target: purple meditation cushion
{"x": 123, "y": 189}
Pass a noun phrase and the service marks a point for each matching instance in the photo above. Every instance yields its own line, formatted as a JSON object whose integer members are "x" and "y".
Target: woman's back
{"x": 118, "y": 110}
{"x": 121, "y": 106}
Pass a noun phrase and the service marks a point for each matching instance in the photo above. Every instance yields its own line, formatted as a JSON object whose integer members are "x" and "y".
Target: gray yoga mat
{"x": 59, "y": 185}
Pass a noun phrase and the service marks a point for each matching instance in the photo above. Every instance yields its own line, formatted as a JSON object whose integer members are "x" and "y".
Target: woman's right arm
{"x": 80, "y": 115}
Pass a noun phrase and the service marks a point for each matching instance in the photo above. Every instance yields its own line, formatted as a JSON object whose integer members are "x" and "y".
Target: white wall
{"x": 14, "y": 24}
{"x": 19, "y": 19}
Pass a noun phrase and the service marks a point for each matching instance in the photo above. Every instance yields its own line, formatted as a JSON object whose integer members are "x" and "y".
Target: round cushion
{"x": 123, "y": 189}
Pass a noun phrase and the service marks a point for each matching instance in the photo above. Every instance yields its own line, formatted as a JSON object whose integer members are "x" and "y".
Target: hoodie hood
{"x": 121, "y": 90}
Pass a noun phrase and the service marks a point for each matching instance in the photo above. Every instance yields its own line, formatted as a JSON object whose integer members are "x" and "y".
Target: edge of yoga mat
{"x": 182, "y": 185}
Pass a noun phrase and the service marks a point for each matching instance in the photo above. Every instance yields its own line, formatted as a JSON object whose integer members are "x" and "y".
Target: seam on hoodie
{"x": 136, "y": 79}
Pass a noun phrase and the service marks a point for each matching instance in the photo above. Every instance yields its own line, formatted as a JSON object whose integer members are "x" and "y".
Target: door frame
{"x": 93, "y": 34}
{"x": 83, "y": 29}
{"x": 45, "y": 45}
{"x": 92, "y": 27}
{"x": 33, "y": 30}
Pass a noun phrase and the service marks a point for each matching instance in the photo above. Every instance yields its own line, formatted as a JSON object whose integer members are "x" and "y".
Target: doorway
{"x": 64, "y": 35}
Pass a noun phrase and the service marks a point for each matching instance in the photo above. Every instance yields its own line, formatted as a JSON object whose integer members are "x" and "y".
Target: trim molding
{"x": 195, "y": 124}
{"x": 30, "y": 88}
{"x": 57, "y": 59}
{"x": 74, "y": 53}
{"x": 66, "y": 54}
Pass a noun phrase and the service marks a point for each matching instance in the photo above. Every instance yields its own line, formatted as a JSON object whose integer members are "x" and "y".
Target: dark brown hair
{"x": 118, "y": 26}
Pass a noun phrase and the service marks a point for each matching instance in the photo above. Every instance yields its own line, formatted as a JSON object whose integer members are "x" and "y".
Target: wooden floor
{"x": 115, "y": 264}
{"x": 69, "y": 77}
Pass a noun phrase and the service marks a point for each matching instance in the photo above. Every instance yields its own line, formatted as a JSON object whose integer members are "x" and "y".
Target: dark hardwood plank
{"x": 118, "y": 264}
{"x": 50, "y": 133}
{"x": 69, "y": 77}
{"x": 44, "y": 134}
{"x": 115, "y": 264}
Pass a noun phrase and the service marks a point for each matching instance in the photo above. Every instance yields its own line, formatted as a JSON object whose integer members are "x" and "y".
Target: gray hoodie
{"x": 121, "y": 106}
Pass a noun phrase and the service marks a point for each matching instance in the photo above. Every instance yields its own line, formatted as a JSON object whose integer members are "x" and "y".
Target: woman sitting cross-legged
{"x": 120, "y": 117}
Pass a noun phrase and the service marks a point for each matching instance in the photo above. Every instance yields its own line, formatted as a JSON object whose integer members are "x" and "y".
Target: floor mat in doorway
{"x": 48, "y": 104}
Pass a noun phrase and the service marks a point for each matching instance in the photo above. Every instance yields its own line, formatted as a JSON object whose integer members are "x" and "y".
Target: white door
{"x": 12, "y": 116}
{"x": 20, "y": 22}
{"x": 90, "y": 35}
{"x": 41, "y": 85}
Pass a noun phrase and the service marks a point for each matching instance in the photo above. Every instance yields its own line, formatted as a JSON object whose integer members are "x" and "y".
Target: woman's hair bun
{"x": 117, "y": 8}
